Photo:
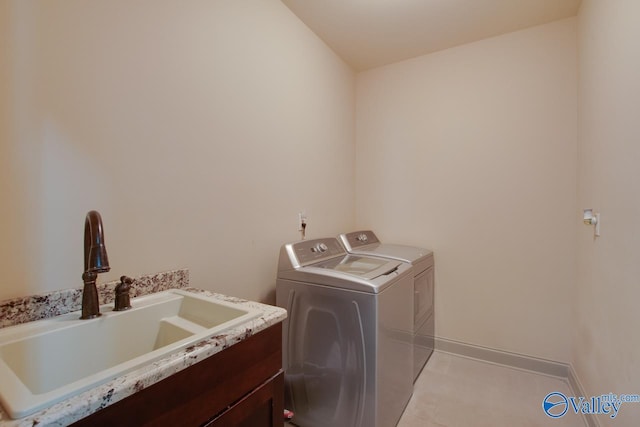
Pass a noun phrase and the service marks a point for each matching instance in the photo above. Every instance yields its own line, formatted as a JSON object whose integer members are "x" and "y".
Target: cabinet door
{"x": 261, "y": 408}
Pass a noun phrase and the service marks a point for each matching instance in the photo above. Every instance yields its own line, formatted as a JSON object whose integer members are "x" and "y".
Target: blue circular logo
{"x": 555, "y": 404}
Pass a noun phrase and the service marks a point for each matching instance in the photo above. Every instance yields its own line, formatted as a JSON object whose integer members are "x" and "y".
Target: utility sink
{"x": 47, "y": 361}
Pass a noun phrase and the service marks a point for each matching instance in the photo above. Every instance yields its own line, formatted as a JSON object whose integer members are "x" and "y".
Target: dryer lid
{"x": 410, "y": 254}
{"x": 365, "y": 242}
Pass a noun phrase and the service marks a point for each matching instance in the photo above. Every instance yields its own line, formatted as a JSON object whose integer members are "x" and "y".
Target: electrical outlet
{"x": 302, "y": 219}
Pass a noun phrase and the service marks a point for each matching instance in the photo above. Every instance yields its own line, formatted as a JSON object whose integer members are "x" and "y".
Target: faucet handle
{"x": 123, "y": 302}
{"x": 125, "y": 281}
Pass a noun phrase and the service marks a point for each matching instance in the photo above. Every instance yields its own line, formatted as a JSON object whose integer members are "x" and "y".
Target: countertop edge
{"x": 90, "y": 401}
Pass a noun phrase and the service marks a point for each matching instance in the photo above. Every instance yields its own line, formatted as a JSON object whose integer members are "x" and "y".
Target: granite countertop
{"x": 90, "y": 401}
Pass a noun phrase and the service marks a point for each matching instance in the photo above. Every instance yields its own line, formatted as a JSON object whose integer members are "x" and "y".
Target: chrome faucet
{"x": 95, "y": 261}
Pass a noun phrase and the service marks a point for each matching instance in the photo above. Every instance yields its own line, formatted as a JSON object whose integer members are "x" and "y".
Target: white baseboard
{"x": 501, "y": 357}
{"x": 578, "y": 390}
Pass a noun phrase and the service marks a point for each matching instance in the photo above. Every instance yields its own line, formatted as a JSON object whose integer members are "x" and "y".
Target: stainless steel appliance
{"x": 347, "y": 340}
{"x": 366, "y": 243}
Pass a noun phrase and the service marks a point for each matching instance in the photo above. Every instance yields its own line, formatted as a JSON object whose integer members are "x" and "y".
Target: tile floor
{"x": 455, "y": 391}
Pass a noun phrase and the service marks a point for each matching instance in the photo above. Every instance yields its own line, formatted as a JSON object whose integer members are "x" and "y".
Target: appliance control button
{"x": 321, "y": 247}
{"x": 362, "y": 237}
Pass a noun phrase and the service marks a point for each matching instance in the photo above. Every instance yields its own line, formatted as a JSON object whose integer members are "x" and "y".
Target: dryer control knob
{"x": 362, "y": 237}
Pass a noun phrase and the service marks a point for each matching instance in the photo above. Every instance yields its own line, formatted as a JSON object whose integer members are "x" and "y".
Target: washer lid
{"x": 355, "y": 273}
{"x": 364, "y": 267}
{"x": 325, "y": 262}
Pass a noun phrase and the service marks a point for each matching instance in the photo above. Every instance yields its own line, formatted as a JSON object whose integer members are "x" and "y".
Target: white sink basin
{"x": 44, "y": 362}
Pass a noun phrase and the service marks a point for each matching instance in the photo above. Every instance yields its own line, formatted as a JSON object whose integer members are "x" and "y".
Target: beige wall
{"x": 472, "y": 152}
{"x": 224, "y": 119}
{"x": 606, "y": 342}
{"x": 198, "y": 129}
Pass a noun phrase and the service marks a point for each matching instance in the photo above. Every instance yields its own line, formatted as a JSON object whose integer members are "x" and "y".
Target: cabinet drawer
{"x": 261, "y": 408}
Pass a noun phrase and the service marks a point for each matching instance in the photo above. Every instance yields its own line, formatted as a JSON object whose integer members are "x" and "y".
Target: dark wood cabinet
{"x": 242, "y": 385}
{"x": 259, "y": 408}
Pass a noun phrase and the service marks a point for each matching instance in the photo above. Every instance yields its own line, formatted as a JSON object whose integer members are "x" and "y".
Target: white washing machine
{"x": 366, "y": 243}
{"x": 347, "y": 339}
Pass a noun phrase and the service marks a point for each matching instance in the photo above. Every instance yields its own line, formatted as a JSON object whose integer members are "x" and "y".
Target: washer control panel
{"x": 320, "y": 247}
{"x": 310, "y": 251}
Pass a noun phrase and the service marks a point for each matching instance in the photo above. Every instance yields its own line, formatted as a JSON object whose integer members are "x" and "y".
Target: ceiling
{"x": 371, "y": 33}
